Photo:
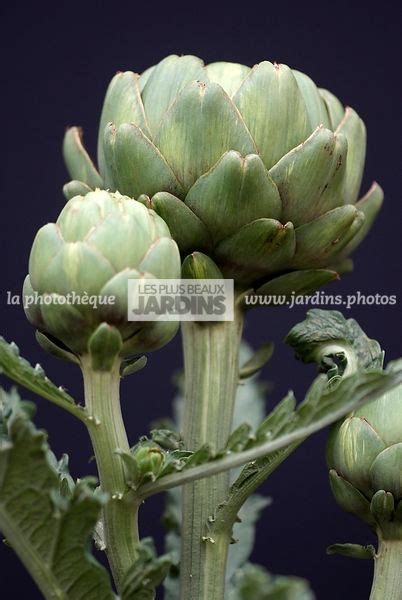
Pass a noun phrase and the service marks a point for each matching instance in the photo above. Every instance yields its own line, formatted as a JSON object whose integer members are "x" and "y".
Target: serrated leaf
{"x": 49, "y": 531}
{"x": 254, "y": 582}
{"x": 33, "y": 378}
{"x": 280, "y": 417}
{"x": 167, "y": 439}
{"x": 325, "y": 332}
{"x": 244, "y": 533}
{"x": 147, "y": 572}
{"x": 338, "y": 399}
{"x": 199, "y": 457}
{"x": 239, "y": 438}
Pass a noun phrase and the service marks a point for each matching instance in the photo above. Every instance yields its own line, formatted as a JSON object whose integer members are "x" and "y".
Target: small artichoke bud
{"x": 149, "y": 461}
{"x": 365, "y": 458}
{"x": 76, "y": 293}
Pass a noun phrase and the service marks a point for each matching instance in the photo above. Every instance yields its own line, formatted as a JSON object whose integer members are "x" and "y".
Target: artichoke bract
{"x": 76, "y": 292}
{"x": 257, "y": 168}
{"x": 365, "y": 458}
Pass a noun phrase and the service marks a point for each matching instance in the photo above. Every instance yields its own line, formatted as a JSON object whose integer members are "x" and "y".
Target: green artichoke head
{"x": 257, "y": 168}
{"x": 77, "y": 289}
{"x": 365, "y": 458}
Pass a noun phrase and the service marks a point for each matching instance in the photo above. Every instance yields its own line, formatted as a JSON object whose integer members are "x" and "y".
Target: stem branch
{"x": 211, "y": 360}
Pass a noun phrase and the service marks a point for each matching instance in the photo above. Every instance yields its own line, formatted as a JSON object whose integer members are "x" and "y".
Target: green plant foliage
{"x": 45, "y": 517}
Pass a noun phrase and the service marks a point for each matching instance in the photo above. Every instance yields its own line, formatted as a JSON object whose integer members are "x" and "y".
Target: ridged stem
{"x": 387, "y": 582}
{"x": 107, "y": 432}
{"x": 211, "y": 360}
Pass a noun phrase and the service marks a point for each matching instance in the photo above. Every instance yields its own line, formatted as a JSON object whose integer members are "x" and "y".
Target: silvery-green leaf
{"x": 244, "y": 532}
{"x": 274, "y": 110}
{"x": 50, "y": 531}
{"x": 233, "y": 193}
{"x": 147, "y": 572}
{"x": 323, "y": 328}
{"x": 254, "y": 582}
{"x": 18, "y": 369}
{"x": 199, "y": 128}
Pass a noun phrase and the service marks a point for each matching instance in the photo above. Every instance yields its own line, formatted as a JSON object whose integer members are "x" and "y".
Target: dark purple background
{"x": 56, "y": 65}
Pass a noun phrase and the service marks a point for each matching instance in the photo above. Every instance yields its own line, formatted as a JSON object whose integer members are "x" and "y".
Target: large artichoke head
{"x": 257, "y": 168}
{"x": 77, "y": 289}
{"x": 365, "y": 458}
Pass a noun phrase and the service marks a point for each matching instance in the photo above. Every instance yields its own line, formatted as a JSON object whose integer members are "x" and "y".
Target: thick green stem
{"x": 387, "y": 583}
{"x": 108, "y": 434}
{"x": 211, "y": 360}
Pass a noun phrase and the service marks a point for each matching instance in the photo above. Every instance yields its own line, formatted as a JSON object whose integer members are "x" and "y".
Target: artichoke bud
{"x": 365, "y": 458}
{"x": 76, "y": 293}
{"x": 259, "y": 168}
{"x": 148, "y": 460}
